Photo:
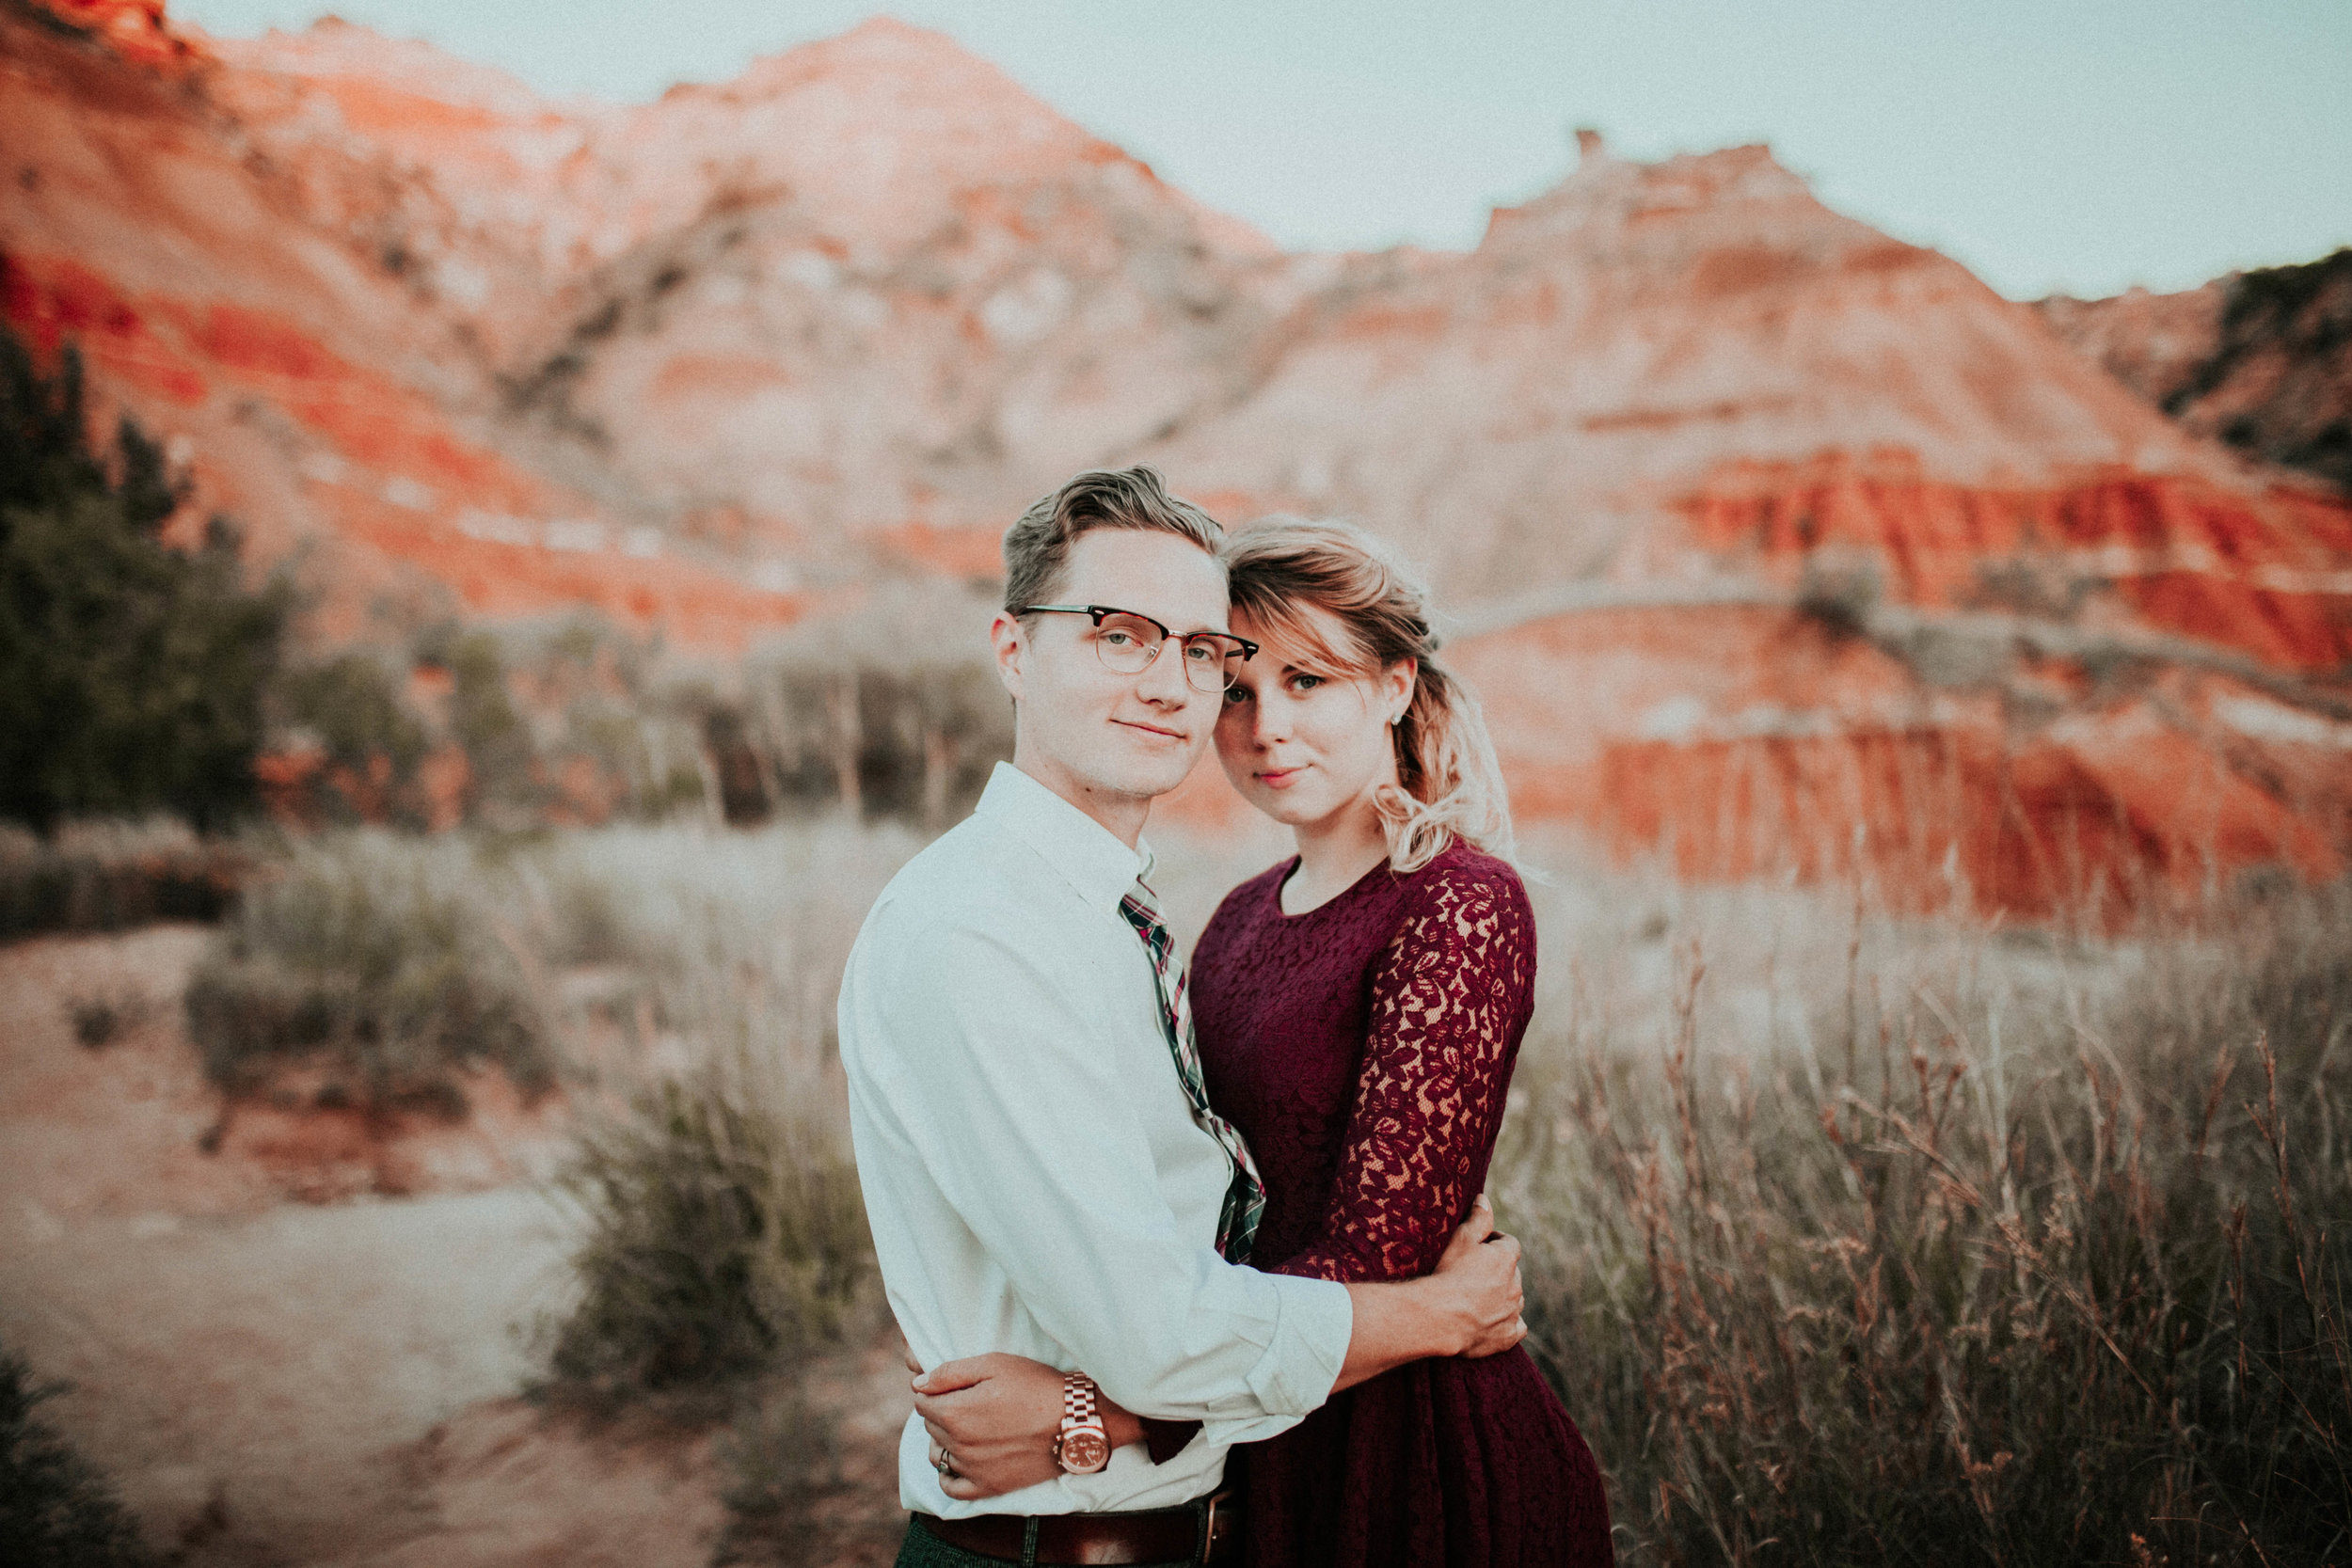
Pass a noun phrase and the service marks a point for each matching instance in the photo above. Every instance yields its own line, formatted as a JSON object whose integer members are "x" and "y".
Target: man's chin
{"x": 1148, "y": 777}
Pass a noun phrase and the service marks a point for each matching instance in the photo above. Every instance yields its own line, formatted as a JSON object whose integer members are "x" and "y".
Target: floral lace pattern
{"x": 1364, "y": 1048}
{"x": 1450, "y": 998}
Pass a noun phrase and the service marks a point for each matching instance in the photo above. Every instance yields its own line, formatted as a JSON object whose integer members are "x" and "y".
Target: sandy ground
{"x": 273, "y": 1378}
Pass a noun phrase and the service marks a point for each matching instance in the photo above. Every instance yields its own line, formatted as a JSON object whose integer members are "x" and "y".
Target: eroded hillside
{"x": 1776, "y": 543}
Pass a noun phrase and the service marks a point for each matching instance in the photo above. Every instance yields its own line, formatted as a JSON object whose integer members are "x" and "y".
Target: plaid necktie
{"x": 1244, "y": 1200}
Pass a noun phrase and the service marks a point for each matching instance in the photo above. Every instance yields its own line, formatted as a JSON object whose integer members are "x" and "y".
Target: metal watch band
{"x": 1077, "y": 1398}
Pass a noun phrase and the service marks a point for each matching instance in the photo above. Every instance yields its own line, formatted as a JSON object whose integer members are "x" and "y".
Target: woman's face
{"x": 1302, "y": 743}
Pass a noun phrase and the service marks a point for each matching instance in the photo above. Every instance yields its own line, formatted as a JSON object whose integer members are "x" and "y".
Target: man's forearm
{"x": 1396, "y": 1321}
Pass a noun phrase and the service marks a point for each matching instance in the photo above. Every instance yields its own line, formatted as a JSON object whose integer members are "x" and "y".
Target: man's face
{"x": 1086, "y": 731}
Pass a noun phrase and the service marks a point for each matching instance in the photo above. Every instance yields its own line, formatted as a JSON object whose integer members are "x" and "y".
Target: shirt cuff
{"x": 1313, "y": 1321}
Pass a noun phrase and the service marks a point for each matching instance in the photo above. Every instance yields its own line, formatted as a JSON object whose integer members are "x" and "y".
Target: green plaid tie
{"x": 1245, "y": 1198}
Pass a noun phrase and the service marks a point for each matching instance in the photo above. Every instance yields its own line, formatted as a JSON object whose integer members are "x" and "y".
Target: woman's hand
{"x": 995, "y": 1417}
{"x": 1481, "y": 1270}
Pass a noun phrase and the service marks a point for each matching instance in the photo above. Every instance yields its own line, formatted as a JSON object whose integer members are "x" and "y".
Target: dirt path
{"x": 279, "y": 1383}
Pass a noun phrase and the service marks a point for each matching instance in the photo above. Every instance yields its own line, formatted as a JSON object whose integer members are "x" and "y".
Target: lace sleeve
{"x": 1450, "y": 998}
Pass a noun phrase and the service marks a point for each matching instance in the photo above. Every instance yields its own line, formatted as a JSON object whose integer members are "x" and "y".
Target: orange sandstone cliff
{"x": 1777, "y": 545}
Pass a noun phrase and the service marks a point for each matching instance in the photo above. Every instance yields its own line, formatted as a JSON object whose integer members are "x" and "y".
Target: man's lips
{"x": 1151, "y": 729}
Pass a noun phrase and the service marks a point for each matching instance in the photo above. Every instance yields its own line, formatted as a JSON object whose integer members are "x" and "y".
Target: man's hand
{"x": 1480, "y": 1275}
{"x": 1469, "y": 1306}
{"x": 995, "y": 1417}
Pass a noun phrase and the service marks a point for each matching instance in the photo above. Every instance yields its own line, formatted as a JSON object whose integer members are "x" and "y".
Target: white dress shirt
{"x": 1033, "y": 1174}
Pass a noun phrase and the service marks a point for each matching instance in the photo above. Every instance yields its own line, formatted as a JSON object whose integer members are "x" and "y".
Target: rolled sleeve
{"x": 1301, "y": 1362}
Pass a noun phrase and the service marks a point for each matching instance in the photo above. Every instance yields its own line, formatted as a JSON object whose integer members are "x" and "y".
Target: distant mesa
{"x": 1778, "y": 543}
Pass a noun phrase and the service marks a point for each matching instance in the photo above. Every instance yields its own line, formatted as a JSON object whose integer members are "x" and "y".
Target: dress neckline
{"x": 1275, "y": 895}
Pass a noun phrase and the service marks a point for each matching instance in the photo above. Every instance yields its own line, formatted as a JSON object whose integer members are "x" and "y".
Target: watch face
{"x": 1084, "y": 1448}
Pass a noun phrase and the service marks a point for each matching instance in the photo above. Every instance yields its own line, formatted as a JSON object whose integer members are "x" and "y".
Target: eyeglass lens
{"x": 1129, "y": 643}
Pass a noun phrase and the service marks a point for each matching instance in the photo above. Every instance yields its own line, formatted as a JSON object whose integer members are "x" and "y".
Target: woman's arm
{"x": 1450, "y": 998}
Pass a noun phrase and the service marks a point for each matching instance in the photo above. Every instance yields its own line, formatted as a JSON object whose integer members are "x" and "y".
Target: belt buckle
{"x": 1208, "y": 1528}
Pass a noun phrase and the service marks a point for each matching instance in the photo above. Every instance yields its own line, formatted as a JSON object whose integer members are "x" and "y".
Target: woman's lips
{"x": 1279, "y": 778}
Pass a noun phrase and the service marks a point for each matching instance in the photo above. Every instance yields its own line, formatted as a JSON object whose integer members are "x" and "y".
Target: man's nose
{"x": 1163, "y": 679}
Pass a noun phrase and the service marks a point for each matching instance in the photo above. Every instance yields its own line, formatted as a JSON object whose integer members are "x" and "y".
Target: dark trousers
{"x": 922, "y": 1550}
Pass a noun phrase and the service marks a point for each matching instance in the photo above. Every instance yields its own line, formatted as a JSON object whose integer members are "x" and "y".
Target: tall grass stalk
{"x": 2002, "y": 1251}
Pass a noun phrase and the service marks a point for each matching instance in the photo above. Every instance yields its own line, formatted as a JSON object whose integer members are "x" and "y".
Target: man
{"x": 1042, "y": 1174}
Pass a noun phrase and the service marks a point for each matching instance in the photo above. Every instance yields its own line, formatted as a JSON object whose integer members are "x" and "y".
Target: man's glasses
{"x": 1128, "y": 644}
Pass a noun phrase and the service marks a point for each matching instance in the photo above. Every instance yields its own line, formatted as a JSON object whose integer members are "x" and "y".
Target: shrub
{"x": 132, "y": 674}
{"x": 112, "y": 876}
{"x": 56, "y": 1509}
{"x": 725, "y": 1237}
{"x": 350, "y": 706}
{"x": 2043, "y": 1261}
{"x": 98, "y": 1020}
{"x": 385, "y": 960}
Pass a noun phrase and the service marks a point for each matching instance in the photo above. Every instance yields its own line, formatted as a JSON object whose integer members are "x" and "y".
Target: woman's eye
{"x": 1303, "y": 684}
{"x": 1236, "y": 695}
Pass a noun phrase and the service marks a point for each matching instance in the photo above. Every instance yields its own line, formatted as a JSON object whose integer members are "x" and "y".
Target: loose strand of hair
{"x": 1451, "y": 782}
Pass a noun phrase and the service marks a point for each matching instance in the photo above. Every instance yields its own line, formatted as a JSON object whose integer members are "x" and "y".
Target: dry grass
{"x": 1852, "y": 1241}
{"x": 1850, "y": 1238}
{"x": 726, "y": 1238}
{"x": 385, "y": 961}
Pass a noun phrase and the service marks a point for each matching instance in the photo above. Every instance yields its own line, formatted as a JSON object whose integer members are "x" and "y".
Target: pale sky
{"x": 2075, "y": 145}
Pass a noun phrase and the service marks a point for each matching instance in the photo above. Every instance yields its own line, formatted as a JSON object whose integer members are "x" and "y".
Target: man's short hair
{"x": 1037, "y": 547}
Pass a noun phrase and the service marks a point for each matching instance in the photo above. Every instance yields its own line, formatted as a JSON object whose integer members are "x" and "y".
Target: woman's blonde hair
{"x": 1452, "y": 787}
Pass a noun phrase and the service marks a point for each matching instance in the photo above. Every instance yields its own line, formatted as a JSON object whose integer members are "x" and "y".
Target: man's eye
{"x": 1118, "y": 639}
{"x": 1204, "y": 653}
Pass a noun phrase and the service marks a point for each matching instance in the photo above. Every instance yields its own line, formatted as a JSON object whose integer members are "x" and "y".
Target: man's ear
{"x": 1011, "y": 645}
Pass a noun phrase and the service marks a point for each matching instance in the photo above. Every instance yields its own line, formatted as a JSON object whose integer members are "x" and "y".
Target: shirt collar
{"x": 1088, "y": 855}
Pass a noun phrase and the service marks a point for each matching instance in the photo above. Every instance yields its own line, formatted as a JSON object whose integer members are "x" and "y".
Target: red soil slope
{"x": 310, "y": 392}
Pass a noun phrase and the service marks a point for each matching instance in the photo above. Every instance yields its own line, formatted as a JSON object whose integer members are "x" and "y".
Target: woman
{"x": 1359, "y": 1008}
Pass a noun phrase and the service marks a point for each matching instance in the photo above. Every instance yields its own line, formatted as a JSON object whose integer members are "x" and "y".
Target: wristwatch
{"x": 1081, "y": 1447}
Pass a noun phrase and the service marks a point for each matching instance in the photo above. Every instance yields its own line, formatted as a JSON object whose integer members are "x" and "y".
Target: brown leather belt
{"x": 1208, "y": 1531}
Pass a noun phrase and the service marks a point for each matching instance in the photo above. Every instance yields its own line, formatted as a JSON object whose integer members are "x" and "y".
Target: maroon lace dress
{"x": 1363, "y": 1047}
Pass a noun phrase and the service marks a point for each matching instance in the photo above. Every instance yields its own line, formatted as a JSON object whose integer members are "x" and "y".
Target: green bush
{"x": 350, "y": 704}
{"x": 132, "y": 674}
{"x": 2042, "y": 1260}
{"x": 56, "y": 1509}
{"x": 112, "y": 876}
{"x": 725, "y": 1237}
{"x": 385, "y": 960}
